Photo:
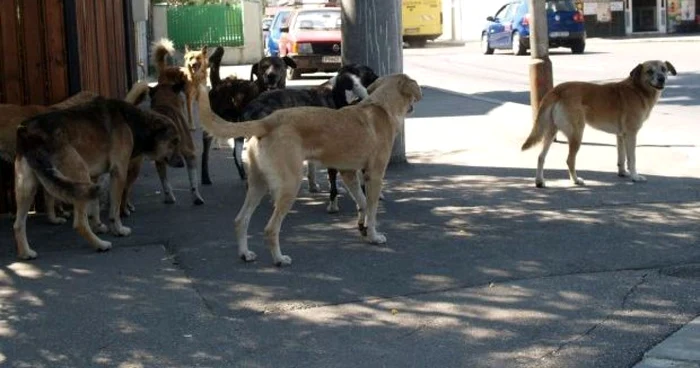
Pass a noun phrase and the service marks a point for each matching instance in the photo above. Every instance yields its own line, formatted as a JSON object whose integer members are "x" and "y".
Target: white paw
{"x": 638, "y": 178}
{"x": 103, "y": 246}
{"x": 30, "y": 254}
{"x": 623, "y": 173}
{"x": 313, "y": 188}
{"x": 332, "y": 207}
{"x": 121, "y": 231}
{"x": 169, "y": 198}
{"x": 283, "y": 261}
{"x": 376, "y": 238}
{"x": 539, "y": 183}
{"x": 248, "y": 256}
{"x": 57, "y": 220}
{"x": 100, "y": 228}
{"x": 579, "y": 181}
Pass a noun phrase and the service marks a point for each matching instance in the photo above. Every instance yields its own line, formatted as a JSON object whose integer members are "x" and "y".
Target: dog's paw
{"x": 206, "y": 181}
{"x": 313, "y": 188}
{"x": 248, "y": 256}
{"x": 638, "y": 178}
{"x": 333, "y": 207}
{"x": 540, "y": 184}
{"x": 623, "y": 174}
{"x": 100, "y": 228}
{"x": 579, "y": 181}
{"x": 121, "y": 231}
{"x": 376, "y": 238}
{"x": 103, "y": 246}
{"x": 283, "y": 261}
{"x": 30, "y": 254}
{"x": 57, "y": 220}
{"x": 169, "y": 199}
{"x": 197, "y": 200}
{"x": 125, "y": 212}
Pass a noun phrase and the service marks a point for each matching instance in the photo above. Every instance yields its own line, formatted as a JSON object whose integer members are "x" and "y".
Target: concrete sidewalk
{"x": 481, "y": 269}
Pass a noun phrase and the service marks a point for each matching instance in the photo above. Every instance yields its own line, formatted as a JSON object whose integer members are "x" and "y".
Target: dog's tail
{"x": 542, "y": 122}
{"x": 214, "y": 65}
{"x": 35, "y": 150}
{"x": 77, "y": 99}
{"x": 137, "y": 93}
{"x": 220, "y": 128}
{"x": 160, "y": 50}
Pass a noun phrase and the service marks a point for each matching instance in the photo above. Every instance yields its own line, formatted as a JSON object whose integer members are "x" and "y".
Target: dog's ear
{"x": 204, "y": 50}
{"x": 410, "y": 88}
{"x": 254, "y": 70}
{"x": 290, "y": 62}
{"x": 187, "y": 48}
{"x": 671, "y": 68}
{"x": 637, "y": 71}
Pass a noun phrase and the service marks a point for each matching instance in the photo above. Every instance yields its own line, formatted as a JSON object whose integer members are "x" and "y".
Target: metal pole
{"x": 371, "y": 35}
{"x": 541, "y": 80}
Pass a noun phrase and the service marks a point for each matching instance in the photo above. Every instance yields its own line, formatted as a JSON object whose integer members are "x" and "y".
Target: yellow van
{"x": 422, "y": 21}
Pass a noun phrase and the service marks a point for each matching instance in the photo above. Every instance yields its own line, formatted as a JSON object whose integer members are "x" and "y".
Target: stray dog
{"x": 270, "y": 72}
{"x": 195, "y": 69}
{"x": 619, "y": 108}
{"x": 352, "y": 78}
{"x": 228, "y": 98}
{"x": 65, "y": 151}
{"x": 165, "y": 100}
{"x": 356, "y": 137}
{"x": 10, "y": 118}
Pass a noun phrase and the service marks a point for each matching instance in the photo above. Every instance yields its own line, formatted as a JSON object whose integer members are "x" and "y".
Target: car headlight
{"x": 304, "y": 48}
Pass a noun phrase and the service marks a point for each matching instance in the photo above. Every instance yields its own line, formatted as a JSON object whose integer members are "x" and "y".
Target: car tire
{"x": 578, "y": 47}
{"x": 517, "y": 44}
{"x": 417, "y": 43}
{"x": 485, "y": 48}
{"x": 293, "y": 74}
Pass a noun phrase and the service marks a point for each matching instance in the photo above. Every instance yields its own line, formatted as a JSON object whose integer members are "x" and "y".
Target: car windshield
{"x": 319, "y": 20}
{"x": 560, "y": 5}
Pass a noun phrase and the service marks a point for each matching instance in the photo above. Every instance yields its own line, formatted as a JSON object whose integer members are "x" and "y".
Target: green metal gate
{"x": 210, "y": 25}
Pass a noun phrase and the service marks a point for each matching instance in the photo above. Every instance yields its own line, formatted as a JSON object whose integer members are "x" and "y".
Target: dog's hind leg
{"x": 161, "y": 167}
{"x": 131, "y": 175}
{"x": 257, "y": 188}
{"x": 333, "y": 197}
{"x": 26, "y": 185}
{"x": 621, "y": 157}
{"x": 94, "y": 217}
{"x": 50, "y": 203}
{"x": 546, "y": 143}
{"x": 373, "y": 184}
{"x": 206, "y": 146}
{"x": 238, "y": 157}
{"x": 352, "y": 182}
{"x": 80, "y": 223}
{"x": 574, "y": 139}
{"x": 118, "y": 175}
{"x": 191, "y": 163}
{"x": 189, "y": 101}
{"x": 284, "y": 199}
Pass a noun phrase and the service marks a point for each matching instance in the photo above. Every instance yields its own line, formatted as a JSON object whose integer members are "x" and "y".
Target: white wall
{"x": 469, "y": 17}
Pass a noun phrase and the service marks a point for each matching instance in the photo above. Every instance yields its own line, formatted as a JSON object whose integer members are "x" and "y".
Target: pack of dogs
{"x": 65, "y": 148}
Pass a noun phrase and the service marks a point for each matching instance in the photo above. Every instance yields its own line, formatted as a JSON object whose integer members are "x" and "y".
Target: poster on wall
{"x": 673, "y": 11}
{"x": 603, "y": 12}
{"x": 617, "y": 6}
{"x": 589, "y": 8}
{"x": 687, "y": 10}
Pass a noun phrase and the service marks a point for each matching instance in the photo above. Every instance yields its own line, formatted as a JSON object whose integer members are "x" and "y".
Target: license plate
{"x": 558, "y": 34}
{"x": 330, "y": 59}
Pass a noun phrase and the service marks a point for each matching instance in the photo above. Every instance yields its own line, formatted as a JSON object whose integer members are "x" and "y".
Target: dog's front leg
{"x": 26, "y": 185}
{"x": 311, "y": 176}
{"x": 621, "y": 157}
{"x": 161, "y": 167}
{"x": 373, "y": 183}
{"x": 191, "y": 163}
{"x": 630, "y": 147}
{"x": 352, "y": 182}
{"x": 117, "y": 181}
{"x": 94, "y": 217}
{"x": 80, "y": 223}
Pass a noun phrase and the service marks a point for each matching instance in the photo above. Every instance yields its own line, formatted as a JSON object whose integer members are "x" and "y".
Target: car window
{"x": 281, "y": 19}
{"x": 510, "y": 13}
{"x": 502, "y": 11}
{"x": 318, "y": 20}
{"x": 560, "y": 5}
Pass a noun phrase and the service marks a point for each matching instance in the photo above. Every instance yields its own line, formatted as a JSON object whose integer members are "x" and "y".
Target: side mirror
{"x": 490, "y": 19}
{"x": 284, "y": 29}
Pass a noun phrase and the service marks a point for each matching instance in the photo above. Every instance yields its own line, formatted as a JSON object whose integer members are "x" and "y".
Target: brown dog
{"x": 619, "y": 108}
{"x": 65, "y": 151}
{"x": 195, "y": 70}
{"x": 280, "y": 142}
{"x": 165, "y": 99}
{"x": 10, "y": 118}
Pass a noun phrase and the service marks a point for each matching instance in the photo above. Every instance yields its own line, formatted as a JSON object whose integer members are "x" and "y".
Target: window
{"x": 318, "y": 20}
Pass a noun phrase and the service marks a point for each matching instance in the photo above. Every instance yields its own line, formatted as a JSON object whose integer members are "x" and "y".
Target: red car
{"x": 311, "y": 37}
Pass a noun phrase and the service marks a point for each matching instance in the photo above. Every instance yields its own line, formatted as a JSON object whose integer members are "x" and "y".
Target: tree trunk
{"x": 371, "y": 35}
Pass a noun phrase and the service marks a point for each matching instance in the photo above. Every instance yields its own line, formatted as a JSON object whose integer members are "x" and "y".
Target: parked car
{"x": 266, "y": 23}
{"x": 311, "y": 37}
{"x": 510, "y": 27}
{"x": 274, "y": 32}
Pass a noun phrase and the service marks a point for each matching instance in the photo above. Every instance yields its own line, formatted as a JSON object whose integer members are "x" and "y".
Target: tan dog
{"x": 10, "y": 118}
{"x": 619, "y": 108}
{"x": 279, "y": 143}
{"x": 65, "y": 151}
{"x": 195, "y": 69}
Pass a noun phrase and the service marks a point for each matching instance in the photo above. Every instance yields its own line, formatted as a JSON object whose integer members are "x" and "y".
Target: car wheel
{"x": 485, "y": 45}
{"x": 578, "y": 47}
{"x": 293, "y": 74}
{"x": 518, "y": 47}
{"x": 418, "y": 43}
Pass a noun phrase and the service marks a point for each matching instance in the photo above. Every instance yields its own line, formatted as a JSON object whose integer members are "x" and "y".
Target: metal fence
{"x": 211, "y": 25}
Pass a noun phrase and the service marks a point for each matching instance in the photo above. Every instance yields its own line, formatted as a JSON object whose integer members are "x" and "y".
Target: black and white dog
{"x": 350, "y": 79}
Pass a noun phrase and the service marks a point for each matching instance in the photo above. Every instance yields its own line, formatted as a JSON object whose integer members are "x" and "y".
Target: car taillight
{"x": 526, "y": 20}
{"x": 578, "y": 17}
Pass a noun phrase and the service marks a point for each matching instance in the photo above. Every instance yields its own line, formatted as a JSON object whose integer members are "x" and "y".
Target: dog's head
{"x": 164, "y": 140}
{"x": 271, "y": 72}
{"x": 366, "y": 74}
{"x": 229, "y": 98}
{"x": 399, "y": 83}
{"x": 653, "y": 73}
{"x": 196, "y": 61}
